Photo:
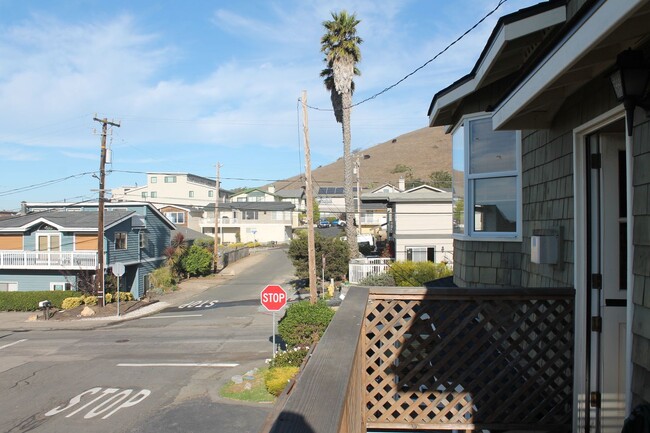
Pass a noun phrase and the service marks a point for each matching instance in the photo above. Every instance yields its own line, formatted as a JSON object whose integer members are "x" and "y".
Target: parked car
{"x": 339, "y": 223}
{"x": 323, "y": 224}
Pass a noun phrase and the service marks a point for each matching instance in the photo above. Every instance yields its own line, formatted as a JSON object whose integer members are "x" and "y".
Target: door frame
{"x": 581, "y": 238}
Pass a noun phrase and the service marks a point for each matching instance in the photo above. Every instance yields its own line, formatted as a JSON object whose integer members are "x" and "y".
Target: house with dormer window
{"x": 53, "y": 246}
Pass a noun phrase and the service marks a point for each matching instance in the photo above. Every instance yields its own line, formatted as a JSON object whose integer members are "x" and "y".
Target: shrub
{"x": 291, "y": 358}
{"x": 414, "y": 274}
{"x": 163, "y": 278}
{"x": 70, "y": 303}
{"x": 197, "y": 261}
{"x": 89, "y": 300}
{"x": 303, "y": 323}
{"x": 108, "y": 298}
{"x": 277, "y": 378}
{"x": 205, "y": 243}
{"x": 28, "y": 301}
{"x": 336, "y": 251}
{"x": 378, "y": 280}
{"x": 126, "y": 296}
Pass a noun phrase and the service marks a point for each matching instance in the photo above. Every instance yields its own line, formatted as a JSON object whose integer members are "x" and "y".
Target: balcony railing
{"x": 361, "y": 268}
{"x": 438, "y": 359}
{"x": 13, "y": 259}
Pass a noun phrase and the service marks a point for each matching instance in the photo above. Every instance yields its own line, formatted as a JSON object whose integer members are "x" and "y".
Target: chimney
{"x": 402, "y": 184}
{"x": 271, "y": 189}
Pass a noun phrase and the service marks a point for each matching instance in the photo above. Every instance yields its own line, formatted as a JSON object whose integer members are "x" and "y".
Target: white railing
{"x": 12, "y": 259}
{"x": 361, "y": 268}
{"x": 223, "y": 221}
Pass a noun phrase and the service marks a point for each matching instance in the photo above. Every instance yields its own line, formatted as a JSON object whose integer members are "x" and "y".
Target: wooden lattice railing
{"x": 438, "y": 359}
{"x": 469, "y": 359}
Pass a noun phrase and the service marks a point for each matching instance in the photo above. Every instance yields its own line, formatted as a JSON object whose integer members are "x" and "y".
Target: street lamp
{"x": 630, "y": 81}
{"x": 357, "y": 171}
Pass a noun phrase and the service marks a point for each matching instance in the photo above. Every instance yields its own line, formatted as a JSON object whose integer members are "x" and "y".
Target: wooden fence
{"x": 440, "y": 359}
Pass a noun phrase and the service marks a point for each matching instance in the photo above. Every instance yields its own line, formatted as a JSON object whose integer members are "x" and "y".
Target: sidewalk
{"x": 20, "y": 321}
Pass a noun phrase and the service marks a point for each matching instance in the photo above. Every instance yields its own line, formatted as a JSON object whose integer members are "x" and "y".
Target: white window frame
{"x": 173, "y": 217}
{"x": 54, "y": 285}
{"x": 154, "y": 194}
{"x": 154, "y": 179}
{"x": 191, "y": 194}
{"x": 469, "y": 232}
{"x": 210, "y": 193}
{"x": 142, "y": 237}
{"x": 49, "y": 235}
{"x": 170, "y": 179}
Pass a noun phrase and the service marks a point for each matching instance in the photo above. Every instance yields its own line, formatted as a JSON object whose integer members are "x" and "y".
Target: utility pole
{"x": 215, "y": 252}
{"x": 311, "y": 247}
{"x": 99, "y": 278}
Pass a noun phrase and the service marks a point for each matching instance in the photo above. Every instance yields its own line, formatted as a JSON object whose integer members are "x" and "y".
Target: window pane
{"x": 55, "y": 243}
{"x": 458, "y": 180}
{"x": 495, "y": 204}
{"x": 490, "y": 151}
{"x": 42, "y": 243}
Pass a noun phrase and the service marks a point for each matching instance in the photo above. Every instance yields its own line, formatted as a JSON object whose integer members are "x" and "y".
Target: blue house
{"x": 54, "y": 246}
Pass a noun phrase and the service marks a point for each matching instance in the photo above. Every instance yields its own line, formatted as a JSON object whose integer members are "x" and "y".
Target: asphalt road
{"x": 157, "y": 374}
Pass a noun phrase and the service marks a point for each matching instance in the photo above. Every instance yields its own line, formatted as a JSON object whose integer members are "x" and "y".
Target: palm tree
{"x": 340, "y": 44}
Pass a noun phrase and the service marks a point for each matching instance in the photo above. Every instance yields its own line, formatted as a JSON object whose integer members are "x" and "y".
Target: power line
{"x": 44, "y": 184}
{"x": 458, "y": 39}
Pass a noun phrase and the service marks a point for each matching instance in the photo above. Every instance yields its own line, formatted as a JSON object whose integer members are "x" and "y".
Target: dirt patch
{"x": 106, "y": 311}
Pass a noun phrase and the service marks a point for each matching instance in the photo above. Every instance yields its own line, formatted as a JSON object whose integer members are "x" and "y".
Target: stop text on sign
{"x": 273, "y": 297}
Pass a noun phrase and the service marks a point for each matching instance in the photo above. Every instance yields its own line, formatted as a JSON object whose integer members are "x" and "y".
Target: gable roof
{"x": 82, "y": 221}
{"x": 424, "y": 187}
{"x": 121, "y": 205}
{"x": 586, "y": 50}
{"x": 511, "y": 44}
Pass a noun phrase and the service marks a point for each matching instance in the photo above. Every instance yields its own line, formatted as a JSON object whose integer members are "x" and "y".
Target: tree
{"x": 440, "y": 179}
{"x": 340, "y": 44}
{"x": 337, "y": 256}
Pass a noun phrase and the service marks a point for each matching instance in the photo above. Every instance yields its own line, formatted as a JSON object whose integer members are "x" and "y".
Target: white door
{"x": 608, "y": 229}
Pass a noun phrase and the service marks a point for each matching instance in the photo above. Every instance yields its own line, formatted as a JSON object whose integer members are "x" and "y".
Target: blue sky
{"x": 193, "y": 83}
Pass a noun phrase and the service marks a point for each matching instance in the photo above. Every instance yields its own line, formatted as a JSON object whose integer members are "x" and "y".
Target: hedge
{"x": 28, "y": 301}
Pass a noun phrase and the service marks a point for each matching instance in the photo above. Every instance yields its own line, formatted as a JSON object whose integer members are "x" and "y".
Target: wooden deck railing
{"x": 439, "y": 359}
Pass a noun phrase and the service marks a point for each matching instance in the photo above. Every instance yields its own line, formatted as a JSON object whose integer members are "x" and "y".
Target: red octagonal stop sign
{"x": 273, "y": 297}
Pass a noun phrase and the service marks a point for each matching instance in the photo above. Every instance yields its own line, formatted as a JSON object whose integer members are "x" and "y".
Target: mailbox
{"x": 44, "y": 304}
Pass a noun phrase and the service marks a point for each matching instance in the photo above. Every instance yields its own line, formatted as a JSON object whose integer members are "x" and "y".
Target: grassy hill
{"x": 413, "y": 155}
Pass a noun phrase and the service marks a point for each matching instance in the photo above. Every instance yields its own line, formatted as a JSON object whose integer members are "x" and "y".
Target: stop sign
{"x": 273, "y": 297}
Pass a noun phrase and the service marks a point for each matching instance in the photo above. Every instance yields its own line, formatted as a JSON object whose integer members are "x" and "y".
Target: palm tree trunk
{"x": 348, "y": 181}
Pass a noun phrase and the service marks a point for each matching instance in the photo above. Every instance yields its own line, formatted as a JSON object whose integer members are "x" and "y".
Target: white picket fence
{"x": 361, "y": 268}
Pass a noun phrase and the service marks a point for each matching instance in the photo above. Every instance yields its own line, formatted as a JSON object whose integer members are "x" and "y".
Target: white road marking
{"x": 179, "y": 364}
{"x": 172, "y": 316}
{"x": 11, "y": 344}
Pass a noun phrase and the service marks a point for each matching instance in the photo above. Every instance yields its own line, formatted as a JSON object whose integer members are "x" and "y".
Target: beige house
{"x": 162, "y": 188}
{"x": 419, "y": 224}
{"x": 242, "y": 221}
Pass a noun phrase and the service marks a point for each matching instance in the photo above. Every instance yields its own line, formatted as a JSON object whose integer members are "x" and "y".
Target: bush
{"x": 70, "y": 303}
{"x": 205, "y": 243}
{"x": 28, "y": 301}
{"x": 378, "y": 280}
{"x": 303, "y": 323}
{"x": 89, "y": 300}
{"x": 415, "y": 274}
{"x": 197, "y": 261}
{"x": 276, "y": 379}
{"x": 108, "y": 298}
{"x": 291, "y": 358}
{"x": 163, "y": 278}
{"x": 126, "y": 296}
{"x": 336, "y": 251}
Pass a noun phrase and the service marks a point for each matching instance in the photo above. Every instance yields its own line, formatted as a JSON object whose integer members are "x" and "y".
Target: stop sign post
{"x": 273, "y": 298}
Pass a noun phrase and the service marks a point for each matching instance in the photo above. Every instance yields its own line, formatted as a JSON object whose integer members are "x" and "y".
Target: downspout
{"x": 629, "y": 191}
